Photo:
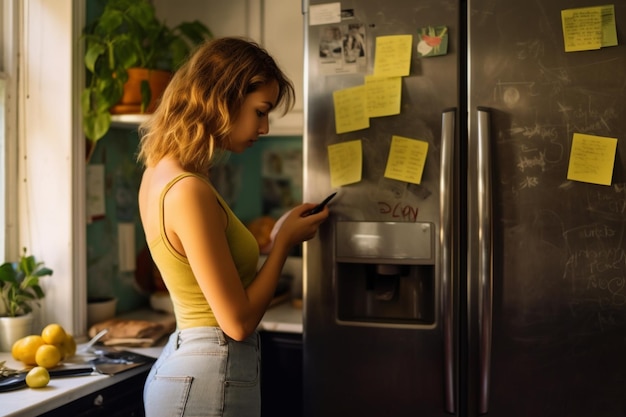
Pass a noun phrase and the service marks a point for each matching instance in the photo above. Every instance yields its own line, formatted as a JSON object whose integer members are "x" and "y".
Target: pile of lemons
{"x": 43, "y": 352}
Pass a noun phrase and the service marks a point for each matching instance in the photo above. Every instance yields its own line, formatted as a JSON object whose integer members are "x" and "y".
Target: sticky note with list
{"x": 592, "y": 159}
{"x": 384, "y": 95}
{"x": 406, "y": 159}
{"x": 346, "y": 163}
{"x": 350, "y": 109}
{"x": 393, "y": 55}
{"x": 588, "y": 28}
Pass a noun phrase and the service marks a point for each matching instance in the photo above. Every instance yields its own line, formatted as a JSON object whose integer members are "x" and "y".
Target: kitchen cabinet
{"x": 281, "y": 374}
{"x": 276, "y": 24}
{"x": 124, "y": 399}
{"x": 282, "y": 36}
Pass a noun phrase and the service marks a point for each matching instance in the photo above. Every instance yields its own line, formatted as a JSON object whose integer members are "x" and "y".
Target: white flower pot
{"x": 13, "y": 329}
{"x": 99, "y": 310}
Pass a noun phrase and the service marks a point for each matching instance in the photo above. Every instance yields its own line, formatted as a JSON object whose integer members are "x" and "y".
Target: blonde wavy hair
{"x": 197, "y": 111}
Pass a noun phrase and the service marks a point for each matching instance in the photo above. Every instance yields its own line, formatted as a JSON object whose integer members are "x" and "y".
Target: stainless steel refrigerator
{"x": 496, "y": 284}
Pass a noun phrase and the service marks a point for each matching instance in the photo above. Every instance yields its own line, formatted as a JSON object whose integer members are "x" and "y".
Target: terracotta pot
{"x": 130, "y": 102}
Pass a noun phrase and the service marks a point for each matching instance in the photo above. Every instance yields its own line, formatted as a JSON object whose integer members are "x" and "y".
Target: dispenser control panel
{"x": 412, "y": 243}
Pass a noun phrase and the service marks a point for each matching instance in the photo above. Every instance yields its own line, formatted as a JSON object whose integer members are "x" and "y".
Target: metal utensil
{"x": 87, "y": 347}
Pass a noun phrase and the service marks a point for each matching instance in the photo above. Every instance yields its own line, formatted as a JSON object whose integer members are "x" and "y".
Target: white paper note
{"x": 323, "y": 14}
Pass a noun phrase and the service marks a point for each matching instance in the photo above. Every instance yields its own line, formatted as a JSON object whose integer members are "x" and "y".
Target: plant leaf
{"x": 94, "y": 51}
{"x": 96, "y": 125}
{"x": 146, "y": 95}
{"x": 8, "y": 273}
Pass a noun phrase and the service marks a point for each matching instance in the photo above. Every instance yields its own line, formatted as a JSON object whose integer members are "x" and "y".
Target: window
{"x": 3, "y": 139}
{"x": 8, "y": 131}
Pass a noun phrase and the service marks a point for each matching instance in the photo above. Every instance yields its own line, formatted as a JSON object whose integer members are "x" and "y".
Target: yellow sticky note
{"x": 592, "y": 159}
{"x": 406, "y": 159}
{"x": 582, "y": 28}
{"x": 383, "y": 95}
{"x": 609, "y": 31}
{"x": 350, "y": 109}
{"x": 346, "y": 163}
{"x": 393, "y": 55}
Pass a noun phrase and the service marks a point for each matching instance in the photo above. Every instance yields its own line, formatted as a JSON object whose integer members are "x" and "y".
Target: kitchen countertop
{"x": 282, "y": 317}
{"x": 61, "y": 391}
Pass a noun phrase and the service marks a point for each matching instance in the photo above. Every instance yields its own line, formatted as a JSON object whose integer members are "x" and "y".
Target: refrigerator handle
{"x": 446, "y": 192}
{"x": 485, "y": 256}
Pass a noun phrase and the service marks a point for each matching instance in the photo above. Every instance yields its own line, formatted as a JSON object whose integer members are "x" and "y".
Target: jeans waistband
{"x": 215, "y": 333}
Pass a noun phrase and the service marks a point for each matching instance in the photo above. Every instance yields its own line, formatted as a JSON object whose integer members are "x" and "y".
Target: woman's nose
{"x": 264, "y": 126}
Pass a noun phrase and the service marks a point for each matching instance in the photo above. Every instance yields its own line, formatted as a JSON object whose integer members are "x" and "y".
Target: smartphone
{"x": 320, "y": 206}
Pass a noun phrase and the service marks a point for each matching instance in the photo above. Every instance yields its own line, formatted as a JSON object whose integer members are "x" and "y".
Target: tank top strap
{"x": 167, "y": 187}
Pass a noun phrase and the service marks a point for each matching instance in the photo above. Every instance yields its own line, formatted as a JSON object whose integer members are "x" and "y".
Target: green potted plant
{"x": 128, "y": 35}
{"x": 19, "y": 292}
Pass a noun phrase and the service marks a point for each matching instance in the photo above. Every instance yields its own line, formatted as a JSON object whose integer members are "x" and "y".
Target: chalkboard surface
{"x": 559, "y": 275}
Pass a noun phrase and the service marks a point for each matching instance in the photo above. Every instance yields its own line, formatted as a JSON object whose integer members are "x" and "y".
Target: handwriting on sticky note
{"x": 384, "y": 95}
{"x": 393, "y": 55}
{"x": 609, "y": 31}
{"x": 346, "y": 163}
{"x": 406, "y": 159}
{"x": 582, "y": 28}
{"x": 592, "y": 159}
{"x": 350, "y": 109}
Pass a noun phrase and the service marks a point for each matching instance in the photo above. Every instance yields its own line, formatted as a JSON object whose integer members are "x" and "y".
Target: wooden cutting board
{"x": 134, "y": 332}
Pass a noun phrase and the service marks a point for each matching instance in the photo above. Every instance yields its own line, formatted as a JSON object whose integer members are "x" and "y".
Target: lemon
{"x": 38, "y": 377}
{"x": 62, "y": 352}
{"x": 15, "y": 349}
{"x": 26, "y": 349}
{"x": 69, "y": 345}
{"x": 53, "y": 334}
{"x": 48, "y": 356}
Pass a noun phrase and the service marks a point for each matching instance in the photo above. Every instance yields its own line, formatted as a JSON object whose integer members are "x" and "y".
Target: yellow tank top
{"x": 190, "y": 306}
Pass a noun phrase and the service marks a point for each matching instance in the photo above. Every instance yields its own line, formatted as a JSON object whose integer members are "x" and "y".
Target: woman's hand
{"x": 295, "y": 229}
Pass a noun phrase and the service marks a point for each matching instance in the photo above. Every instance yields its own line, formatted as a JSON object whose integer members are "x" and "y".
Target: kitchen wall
{"x": 113, "y": 182}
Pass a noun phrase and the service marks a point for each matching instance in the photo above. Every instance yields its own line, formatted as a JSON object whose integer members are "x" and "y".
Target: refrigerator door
{"x": 547, "y": 280}
{"x": 374, "y": 322}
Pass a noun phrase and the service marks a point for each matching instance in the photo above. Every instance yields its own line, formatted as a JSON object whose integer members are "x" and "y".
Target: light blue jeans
{"x": 203, "y": 372}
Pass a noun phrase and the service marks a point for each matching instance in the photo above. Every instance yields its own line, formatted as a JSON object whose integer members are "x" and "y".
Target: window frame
{"x": 43, "y": 62}
{"x": 9, "y": 176}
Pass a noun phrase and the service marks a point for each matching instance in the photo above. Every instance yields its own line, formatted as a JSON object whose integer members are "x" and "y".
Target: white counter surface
{"x": 282, "y": 318}
{"x": 60, "y": 391}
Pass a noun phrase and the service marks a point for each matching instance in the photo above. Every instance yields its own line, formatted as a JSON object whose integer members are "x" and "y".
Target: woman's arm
{"x": 196, "y": 224}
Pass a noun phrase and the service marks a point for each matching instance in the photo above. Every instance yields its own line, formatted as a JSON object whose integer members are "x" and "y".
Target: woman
{"x": 218, "y": 101}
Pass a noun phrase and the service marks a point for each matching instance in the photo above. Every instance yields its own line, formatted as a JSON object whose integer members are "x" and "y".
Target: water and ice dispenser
{"x": 385, "y": 273}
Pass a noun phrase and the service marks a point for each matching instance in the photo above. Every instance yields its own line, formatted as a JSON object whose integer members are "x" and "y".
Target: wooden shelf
{"x": 128, "y": 120}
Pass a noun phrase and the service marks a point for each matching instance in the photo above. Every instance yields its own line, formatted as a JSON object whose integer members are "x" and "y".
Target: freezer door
{"x": 547, "y": 262}
{"x": 379, "y": 331}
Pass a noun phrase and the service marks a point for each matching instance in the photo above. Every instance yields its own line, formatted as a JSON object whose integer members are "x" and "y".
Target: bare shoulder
{"x": 189, "y": 188}
{"x": 192, "y": 198}
{"x": 188, "y": 201}
{"x": 163, "y": 175}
